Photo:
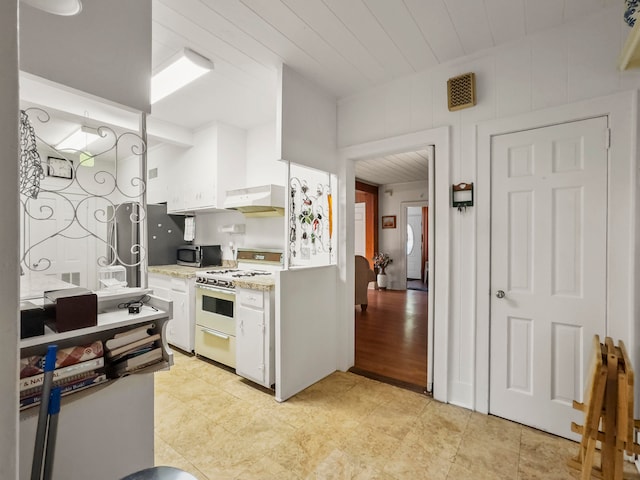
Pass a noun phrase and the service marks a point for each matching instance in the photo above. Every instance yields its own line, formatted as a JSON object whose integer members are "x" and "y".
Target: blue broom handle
{"x": 43, "y": 414}
{"x": 54, "y": 409}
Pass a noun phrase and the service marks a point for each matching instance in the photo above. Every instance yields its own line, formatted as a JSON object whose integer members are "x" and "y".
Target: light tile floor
{"x": 218, "y": 426}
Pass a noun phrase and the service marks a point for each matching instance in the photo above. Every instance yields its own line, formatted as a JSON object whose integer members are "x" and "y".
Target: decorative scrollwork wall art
{"x": 83, "y": 203}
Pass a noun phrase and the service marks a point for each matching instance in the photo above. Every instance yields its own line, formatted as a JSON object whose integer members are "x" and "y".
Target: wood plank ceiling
{"x": 343, "y": 45}
{"x": 398, "y": 168}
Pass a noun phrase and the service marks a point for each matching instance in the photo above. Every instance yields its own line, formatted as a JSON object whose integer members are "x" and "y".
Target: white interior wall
{"x": 263, "y": 165}
{"x": 9, "y": 239}
{"x": 567, "y": 64}
{"x": 105, "y": 50}
{"x": 231, "y": 155}
{"x": 306, "y": 123}
{"x": 259, "y": 232}
{"x": 391, "y": 240}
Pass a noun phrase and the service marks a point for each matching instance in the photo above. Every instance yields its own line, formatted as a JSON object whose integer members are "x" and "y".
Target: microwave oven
{"x": 199, "y": 255}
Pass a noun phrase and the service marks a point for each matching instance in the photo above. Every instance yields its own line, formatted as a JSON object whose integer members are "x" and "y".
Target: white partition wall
{"x": 306, "y": 293}
{"x": 306, "y": 123}
{"x": 98, "y": 449}
{"x": 9, "y": 239}
{"x": 305, "y": 328}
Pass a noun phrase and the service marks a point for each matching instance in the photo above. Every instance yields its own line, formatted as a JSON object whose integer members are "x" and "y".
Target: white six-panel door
{"x": 548, "y": 256}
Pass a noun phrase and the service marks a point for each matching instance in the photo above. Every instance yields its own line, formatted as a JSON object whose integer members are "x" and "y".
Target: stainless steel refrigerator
{"x": 165, "y": 233}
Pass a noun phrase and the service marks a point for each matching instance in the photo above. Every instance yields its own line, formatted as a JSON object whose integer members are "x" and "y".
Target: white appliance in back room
{"x": 235, "y": 326}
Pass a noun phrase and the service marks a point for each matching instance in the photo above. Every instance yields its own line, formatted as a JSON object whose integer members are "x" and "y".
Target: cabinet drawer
{"x": 216, "y": 346}
{"x": 179, "y": 285}
{"x": 251, "y": 298}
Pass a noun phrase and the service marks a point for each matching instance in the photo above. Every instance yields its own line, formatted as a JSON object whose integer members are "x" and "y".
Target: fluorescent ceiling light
{"x": 79, "y": 140}
{"x": 57, "y": 7}
{"x": 180, "y": 71}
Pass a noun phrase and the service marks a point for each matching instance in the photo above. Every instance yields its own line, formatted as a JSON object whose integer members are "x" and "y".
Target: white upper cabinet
{"x": 201, "y": 176}
{"x": 162, "y": 168}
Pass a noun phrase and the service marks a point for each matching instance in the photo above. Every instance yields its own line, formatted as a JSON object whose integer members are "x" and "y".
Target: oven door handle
{"x": 214, "y": 333}
{"x": 215, "y": 289}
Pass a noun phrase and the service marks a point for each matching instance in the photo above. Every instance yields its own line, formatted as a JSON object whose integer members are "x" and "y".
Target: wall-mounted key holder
{"x": 462, "y": 196}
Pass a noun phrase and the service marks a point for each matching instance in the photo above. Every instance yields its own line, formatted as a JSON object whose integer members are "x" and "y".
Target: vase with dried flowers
{"x": 381, "y": 261}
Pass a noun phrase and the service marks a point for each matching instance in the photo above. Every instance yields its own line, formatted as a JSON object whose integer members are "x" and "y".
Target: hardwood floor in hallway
{"x": 391, "y": 336}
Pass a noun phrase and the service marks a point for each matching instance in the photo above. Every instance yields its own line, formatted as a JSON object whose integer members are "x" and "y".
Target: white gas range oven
{"x": 217, "y": 322}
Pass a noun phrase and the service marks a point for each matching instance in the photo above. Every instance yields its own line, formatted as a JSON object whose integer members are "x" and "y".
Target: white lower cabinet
{"x": 181, "y": 291}
{"x": 255, "y": 337}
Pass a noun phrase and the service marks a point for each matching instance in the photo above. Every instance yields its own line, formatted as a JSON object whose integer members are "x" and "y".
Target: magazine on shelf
{"x": 81, "y": 384}
{"x": 130, "y": 336}
{"x": 137, "y": 362}
{"x": 132, "y": 347}
{"x": 60, "y": 374}
{"x": 34, "y": 364}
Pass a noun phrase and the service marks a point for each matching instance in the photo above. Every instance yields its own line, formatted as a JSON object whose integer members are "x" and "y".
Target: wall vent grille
{"x": 461, "y": 91}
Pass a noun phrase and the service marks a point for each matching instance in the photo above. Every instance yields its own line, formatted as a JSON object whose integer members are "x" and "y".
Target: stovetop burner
{"x": 252, "y": 263}
{"x": 222, "y": 272}
{"x": 224, "y": 278}
{"x": 250, "y": 273}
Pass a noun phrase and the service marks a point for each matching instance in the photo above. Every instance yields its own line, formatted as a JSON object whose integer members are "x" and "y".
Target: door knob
{"x": 500, "y": 294}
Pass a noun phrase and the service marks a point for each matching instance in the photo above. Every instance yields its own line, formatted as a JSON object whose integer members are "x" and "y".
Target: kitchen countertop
{"x": 182, "y": 271}
{"x": 263, "y": 284}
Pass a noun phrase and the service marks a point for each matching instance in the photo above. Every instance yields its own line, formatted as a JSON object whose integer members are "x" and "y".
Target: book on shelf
{"x": 34, "y": 364}
{"x": 132, "y": 347}
{"x": 59, "y": 374}
{"x": 76, "y": 386}
{"x": 137, "y": 362}
{"x": 130, "y": 336}
{"x": 59, "y": 383}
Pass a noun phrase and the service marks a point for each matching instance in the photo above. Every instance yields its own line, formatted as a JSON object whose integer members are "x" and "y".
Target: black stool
{"x": 160, "y": 473}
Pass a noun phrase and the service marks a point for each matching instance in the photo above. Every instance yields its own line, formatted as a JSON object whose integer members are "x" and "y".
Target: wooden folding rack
{"x": 608, "y": 413}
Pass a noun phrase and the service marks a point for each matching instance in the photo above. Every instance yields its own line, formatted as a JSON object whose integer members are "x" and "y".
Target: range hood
{"x": 262, "y": 201}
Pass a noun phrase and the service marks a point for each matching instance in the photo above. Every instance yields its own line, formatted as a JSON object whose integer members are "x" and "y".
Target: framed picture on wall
{"x": 389, "y": 221}
{"x": 59, "y": 167}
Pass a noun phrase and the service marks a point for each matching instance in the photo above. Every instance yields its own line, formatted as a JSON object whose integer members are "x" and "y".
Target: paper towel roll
{"x": 189, "y": 229}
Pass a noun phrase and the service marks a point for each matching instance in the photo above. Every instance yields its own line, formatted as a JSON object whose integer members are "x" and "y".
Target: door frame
{"x": 439, "y": 294}
{"x": 621, "y": 110}
{"x": 404, "y": 218}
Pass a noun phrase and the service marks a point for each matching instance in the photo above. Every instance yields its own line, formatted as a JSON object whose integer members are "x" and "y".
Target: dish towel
{"x": 189, "y": 229}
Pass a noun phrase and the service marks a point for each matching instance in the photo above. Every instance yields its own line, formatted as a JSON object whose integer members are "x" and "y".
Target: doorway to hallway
{"x": 391, "y": 338}
{"x": 391, "y": 335}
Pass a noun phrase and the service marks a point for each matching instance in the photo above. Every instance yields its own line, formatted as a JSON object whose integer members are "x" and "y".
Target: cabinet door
{"x": 176, "y": 201}
{"x": 250, "y": 359}
{"x": 201, "y": 197}
{"x": 178, "y": 331}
